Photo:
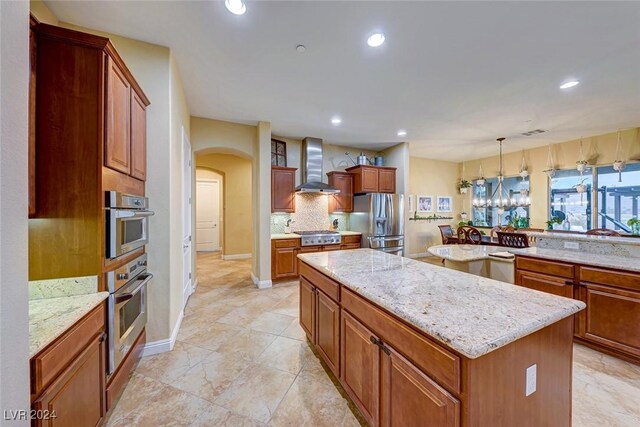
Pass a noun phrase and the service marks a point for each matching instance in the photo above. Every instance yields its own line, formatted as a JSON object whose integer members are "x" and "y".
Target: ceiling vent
{"x": 534, "y": 132}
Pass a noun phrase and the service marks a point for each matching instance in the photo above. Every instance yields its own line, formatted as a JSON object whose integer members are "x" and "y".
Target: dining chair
{"x": 602, "y": 232}
{"x": 513, "y": 240}
{"x": 448, "y": 238}
{"x": 469, "y": 235}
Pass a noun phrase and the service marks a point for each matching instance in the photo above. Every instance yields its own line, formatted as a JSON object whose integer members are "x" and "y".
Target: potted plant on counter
{"x": 464, "y": 186}
{"x": 634, "y": 223}
{"x": 556, "y": 220}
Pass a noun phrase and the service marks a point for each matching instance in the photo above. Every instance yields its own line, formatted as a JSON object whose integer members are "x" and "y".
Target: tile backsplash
{"x": 311, "y": 214}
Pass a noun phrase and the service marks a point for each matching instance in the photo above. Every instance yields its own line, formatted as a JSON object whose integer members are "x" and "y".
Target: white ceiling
{"x": 455, "y": 75}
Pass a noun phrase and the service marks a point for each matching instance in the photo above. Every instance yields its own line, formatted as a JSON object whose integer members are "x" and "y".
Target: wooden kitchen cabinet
{"x": 308, "y": 308}
{"x": 68, "y": 376}
{"x": 360, "y": 366}
{"x": 33, "y": 61}
{"x": 608, "y": 323}
{"x": 343, "y": 201}
{"x": 373, "y": 179}
{"x": 117, "y": 154}
{"x": 613, "y": 310}
{"x": 284, "y": 261}
{"x": 283, "y": 187}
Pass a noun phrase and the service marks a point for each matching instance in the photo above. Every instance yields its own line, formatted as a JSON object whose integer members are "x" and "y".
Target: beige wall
{"x": 237, "y": 208}
{"x": 431, "y": 178}
{"x": 223, "y": 137}
{"x": 398, "y": 157}
{"x": 600, "y": 150}
{"x": 14, "y": 306}
{"x": 155, "y": 70}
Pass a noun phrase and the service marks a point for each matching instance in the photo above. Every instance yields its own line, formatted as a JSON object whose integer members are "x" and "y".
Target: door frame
{"x": 187, "y": 221}
{"x": 220, "y": 211}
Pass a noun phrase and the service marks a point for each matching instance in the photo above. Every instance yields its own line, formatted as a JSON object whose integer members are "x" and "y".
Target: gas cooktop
{"x": 319, "y": 237}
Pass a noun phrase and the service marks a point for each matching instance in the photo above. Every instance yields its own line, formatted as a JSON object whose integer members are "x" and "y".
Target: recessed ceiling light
{"x": 301, "y": 48}
{"x": 402, "y": 132}
{"x": 237, "y": 7}
{"x": 569, "y": 84}
{"x": 336, "y": 120}
{"x": 375, "y": 39}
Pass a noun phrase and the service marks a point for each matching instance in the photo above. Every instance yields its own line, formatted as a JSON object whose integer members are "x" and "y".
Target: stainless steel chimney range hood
{"x": 311, "y": 170}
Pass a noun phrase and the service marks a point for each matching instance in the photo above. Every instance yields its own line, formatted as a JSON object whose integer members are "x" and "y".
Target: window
{"x": 488, "y": 216}
{"x": 618, "y": 201}
{"x": 278, "y": 153}
{"x": 570, "y": 199}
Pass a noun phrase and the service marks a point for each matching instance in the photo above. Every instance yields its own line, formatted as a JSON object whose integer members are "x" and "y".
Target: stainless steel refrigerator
{"x": 380, "y": 219}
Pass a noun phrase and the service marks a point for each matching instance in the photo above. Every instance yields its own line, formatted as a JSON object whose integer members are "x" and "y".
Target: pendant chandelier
{"x": 500, "y": 198}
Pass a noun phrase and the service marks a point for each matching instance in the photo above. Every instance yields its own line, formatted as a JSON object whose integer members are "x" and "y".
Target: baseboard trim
{"x": 418, "y": 255}
{"x": 236, "y": 256}
{"x": 261, "y": 284}
{"x": 195, "y": 285}
{"x": 161, "y": 346}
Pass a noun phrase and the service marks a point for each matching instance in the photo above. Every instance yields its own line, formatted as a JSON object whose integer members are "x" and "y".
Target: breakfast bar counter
{"x": 494, "y": 262}
{"x": 457, "y": 349}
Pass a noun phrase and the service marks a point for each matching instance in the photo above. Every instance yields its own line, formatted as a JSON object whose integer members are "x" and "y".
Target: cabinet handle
{"x": 103, "y": 337}
{"x": 374, "y": 340}
{"x": 385, "y": 349}
{"x": 569, "y": 282}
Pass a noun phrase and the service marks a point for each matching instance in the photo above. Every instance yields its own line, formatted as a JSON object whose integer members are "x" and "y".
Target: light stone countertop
{"x": 472, "y": 315}
{"x": 575, "y": 257}
{"x": 468, "y": 253}
{"x": 51, "y": 317}
{"x": 588, "y": 238}
{"x": 280, "y": 236}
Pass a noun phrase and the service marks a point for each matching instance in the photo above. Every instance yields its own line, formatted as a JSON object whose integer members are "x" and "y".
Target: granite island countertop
{"x": 51, "y": 317}
{"x": 468, "y": 253}
{"x": 576, "y": 257}
{"x": 470, "y": 314}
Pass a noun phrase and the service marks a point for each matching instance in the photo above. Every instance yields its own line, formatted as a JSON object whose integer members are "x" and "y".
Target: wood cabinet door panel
{"x": 611, "y": 318}
{"x": 77, "y": 396}
{"x": 283, "y": 189}
{"x": 330, "y": 248}
{"x": 620, "y": 279}
{"x": 118, "y": 137}
{"x": 307, "y": 308}
{"x": 410, "y": 398}
{"x": 320, "y": 281}
{"x": 369, "y": 180}
{"x": 360, "y": 366}
{"x": 138, "y": 137}
{"x": 328, "y": 330}
{"x": 386, "y": 181}
{"x": 542, "y": 282}
{"x": 343, "y": 201}
{"x": 285, "y": 262}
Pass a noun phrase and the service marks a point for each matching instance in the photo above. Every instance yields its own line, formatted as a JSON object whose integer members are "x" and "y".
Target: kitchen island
{"x": 482, "y": 260}
{"x": 417, "y": 344}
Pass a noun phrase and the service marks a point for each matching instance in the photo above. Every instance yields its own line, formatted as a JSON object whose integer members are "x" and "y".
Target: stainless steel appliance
{"x": 127, "y": 223}
{"x": 380, "y": 219}
{"x": 127, "y": 313}
{"x": 311, "y": 170}
{"x": 319, "y": 237}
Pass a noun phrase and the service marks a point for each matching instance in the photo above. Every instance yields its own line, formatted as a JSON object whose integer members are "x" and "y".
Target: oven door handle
{"x": 119, "y": 299}
{"x": 133, "y": 214}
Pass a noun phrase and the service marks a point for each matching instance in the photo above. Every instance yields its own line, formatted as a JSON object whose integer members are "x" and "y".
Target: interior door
{"x": 187, "y": 288}
{"x": 208, "y": 215}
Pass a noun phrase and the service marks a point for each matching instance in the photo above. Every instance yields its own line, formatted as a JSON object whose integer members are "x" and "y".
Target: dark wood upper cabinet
{"x": 343, "y": 201}
{"x": 373, "y": 179}
{"x": 118, "y": 124}
{"x": 283, "y": 187}
{"x": 33, "y": 61}
{"x": 138, "y": 137}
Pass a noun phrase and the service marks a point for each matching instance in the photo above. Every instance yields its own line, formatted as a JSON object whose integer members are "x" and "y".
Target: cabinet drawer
{"x": 350, "y": 246}
{"x": 320, "y": 281}
{"x": 47, "y": 365}
{"x": 351, "y": 239}
{"x": 608, "y": 277}
{"x": 546, "y": 267}
{"x": 544, "y": 283}
{"x": 286, "y": 243}
{"x": 432, "y": 359}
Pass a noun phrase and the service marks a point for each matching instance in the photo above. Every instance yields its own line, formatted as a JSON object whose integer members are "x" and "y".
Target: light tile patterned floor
{"x": 242, "y": 360}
